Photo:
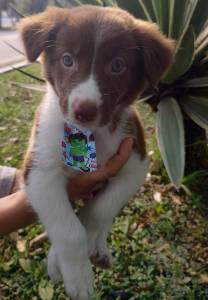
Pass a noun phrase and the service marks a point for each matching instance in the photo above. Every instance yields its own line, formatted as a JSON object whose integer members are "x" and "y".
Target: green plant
{"x": 182, "y": 96}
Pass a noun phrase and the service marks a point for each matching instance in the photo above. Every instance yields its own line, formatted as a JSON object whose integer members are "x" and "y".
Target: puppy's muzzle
{"x": 85, "y": 112}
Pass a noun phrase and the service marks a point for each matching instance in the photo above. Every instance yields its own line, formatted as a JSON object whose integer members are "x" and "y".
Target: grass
{"x": 159, "y": 242}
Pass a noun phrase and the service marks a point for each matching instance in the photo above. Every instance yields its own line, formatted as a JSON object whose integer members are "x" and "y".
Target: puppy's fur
{"x": 112, "y": 57}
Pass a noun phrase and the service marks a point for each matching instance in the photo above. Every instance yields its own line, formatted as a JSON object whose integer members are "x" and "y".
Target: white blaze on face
{"x": 87, "y": 91}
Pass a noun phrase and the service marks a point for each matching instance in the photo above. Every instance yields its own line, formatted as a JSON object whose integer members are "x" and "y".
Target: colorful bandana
{"x": 78, "y": 149}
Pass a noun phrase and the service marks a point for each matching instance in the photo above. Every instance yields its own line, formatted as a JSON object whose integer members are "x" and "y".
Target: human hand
{"x": 81, "y": 186}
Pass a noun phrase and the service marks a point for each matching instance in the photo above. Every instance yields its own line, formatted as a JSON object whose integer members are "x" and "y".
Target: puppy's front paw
{"x": 98, "y": 251}
{"x": 102, "y": 259}
{"x": 53, "y": 266}
{"x": 78, "y": 280}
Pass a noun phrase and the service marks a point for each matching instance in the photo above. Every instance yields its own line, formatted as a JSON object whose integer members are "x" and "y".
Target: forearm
{"x": 15, "y": 213}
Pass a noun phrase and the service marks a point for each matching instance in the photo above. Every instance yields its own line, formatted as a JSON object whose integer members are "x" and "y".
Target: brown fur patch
{"x": 94, "y": 36}
{"x": 134, "y": 127}
{"x": 28, "y": 158}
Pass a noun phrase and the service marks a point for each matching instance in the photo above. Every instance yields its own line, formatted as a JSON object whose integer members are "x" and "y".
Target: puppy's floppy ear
{"x": 156, "y": 50}
{"x": 36, "y": 31}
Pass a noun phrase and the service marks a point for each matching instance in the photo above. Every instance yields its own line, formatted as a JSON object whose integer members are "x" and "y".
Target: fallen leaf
{"x": 204, "y": 279}
{"x": 176, "y": 199}
{"x": 157, "y": 197}
{"x": 21, "y": 245}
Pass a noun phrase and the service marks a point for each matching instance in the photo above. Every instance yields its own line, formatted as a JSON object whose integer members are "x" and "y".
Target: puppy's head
{"x": 96, "y": 59}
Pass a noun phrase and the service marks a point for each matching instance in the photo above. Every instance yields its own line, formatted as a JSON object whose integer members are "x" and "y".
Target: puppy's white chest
{"x": 107, "y": 144}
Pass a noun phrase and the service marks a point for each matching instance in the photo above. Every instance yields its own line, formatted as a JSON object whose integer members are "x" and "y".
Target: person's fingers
{"x": 119, "y": 159}
{"x": 112, "y": 166}
{"x": 84, "y": 183}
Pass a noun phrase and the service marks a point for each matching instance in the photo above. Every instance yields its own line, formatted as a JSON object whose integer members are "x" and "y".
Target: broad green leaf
{"x": 200, "y": 16}
{"x": 26, "y": 265}
{"x": 133, "y": 7}
{"x": 197, "y": 82}
{"x": 46, "y": 291}
{"x": 197, "y": 110}
{"x": 30, "y": 86}
{"x": 170, "y": 138}
{"x": 183, "y": 59}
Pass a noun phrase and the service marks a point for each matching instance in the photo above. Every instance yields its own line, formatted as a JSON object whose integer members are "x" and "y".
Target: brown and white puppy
{"x": 96, "y": 61}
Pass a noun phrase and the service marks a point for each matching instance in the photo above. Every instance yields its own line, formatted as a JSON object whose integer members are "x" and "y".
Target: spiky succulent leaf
{"x": 161, "y": 10}
{"x": 95, "y": 2}
{"x": 170, "y": 138}
{"x": 71, "y": 3}
{"x": 197, "y": 110}
{"x": 202, "y": 42}
{"x": 200, "y": 16}
{"x": 197, "y": 82}
{"x": 109, "y": 3}
{"x": 183, "y": 59}
{"x": 131, "y": 6}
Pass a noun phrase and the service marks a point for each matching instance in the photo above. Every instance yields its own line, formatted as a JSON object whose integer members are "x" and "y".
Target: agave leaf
{"x": 171, "y": 16}
{"x": 183, "y": 59}
{"x": 177, "y": 9}
{"x": 133, "y": 7}
{"x": 200, "y": 16}
{"x": 203, "y": 66}
{"x": 170, "y": 138}
{"x": 146, "y": 6}
{"x": 93, "y": 2}
{"x": 74, "y": 2}
{"x": 29, "y": 86}
{"x": 188, "y": 14}
{"x": 202, "y": 42}
{"x": 197, "y": 110}
{"x": 161, "y": 11}
{"x": 145, "y": 98}
{"x": 59, "y": 3}
{"x": 197, "y": 82}
{"x": 109, "y": 3}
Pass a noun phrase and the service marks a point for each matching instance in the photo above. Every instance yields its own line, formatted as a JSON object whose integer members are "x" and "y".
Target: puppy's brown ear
{"x": 37, "y": 30}
{"x": 156, "y": 50}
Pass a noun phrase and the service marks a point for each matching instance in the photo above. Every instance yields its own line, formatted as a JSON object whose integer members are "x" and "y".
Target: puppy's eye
{"x": 118, "y": 65}
{"x": 67, "y": 60}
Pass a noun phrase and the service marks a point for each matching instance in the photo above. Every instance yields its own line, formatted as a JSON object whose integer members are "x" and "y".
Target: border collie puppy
{"x": 96, "y": 62}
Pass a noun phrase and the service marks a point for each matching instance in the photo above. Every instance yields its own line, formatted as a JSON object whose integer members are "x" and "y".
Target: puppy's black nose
{"x": 86, "y": 112}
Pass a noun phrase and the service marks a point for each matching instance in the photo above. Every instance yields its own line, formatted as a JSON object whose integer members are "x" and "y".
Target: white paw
{"x": 98, "y": 251}
{"x": 53, "y": 266}
{"x": 78, "y": 280}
